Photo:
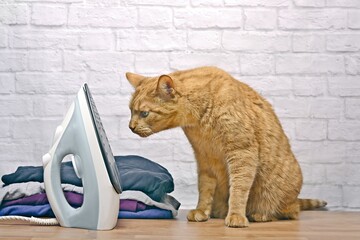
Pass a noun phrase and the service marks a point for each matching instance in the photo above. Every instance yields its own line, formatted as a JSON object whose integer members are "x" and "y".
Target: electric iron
{"x": 82, "y": 136}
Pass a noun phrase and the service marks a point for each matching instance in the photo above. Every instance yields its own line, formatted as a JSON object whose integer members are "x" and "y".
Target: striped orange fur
{"x": 246, "y": 169}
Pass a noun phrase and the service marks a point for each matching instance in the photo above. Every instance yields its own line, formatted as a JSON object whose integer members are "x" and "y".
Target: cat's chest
{"x": 205, "y": 140}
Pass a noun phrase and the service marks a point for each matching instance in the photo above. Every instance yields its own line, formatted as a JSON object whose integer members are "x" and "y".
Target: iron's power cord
{"x": 34, "y": 220}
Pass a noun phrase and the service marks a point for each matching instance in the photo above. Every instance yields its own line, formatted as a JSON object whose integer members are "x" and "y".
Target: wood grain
{"x": 312, "y": 225}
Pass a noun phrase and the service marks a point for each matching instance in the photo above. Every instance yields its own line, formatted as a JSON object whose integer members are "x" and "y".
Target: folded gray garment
{"x": 19, "y": 190}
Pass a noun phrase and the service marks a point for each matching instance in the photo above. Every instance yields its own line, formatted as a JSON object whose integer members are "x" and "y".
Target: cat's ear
{"x": 165, "y": 87}
{"x": 134, "y": 79}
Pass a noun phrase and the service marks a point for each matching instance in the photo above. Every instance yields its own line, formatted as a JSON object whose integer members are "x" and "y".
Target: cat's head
{"x": 154, "y": 105}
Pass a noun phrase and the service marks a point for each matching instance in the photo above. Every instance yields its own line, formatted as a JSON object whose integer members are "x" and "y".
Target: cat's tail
{"x": 309, "y": 204}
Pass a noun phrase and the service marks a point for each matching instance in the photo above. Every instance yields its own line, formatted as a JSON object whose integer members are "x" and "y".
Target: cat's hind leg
{"x": 259, "y": 217}
{"x": 291, "y": 211}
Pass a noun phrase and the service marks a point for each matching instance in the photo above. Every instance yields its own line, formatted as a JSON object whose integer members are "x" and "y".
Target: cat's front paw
{"x": 197, "y": 215}
{"x": 236, "y": 221}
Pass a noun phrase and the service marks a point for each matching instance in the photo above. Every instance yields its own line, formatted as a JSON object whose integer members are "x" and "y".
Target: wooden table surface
{"x": 312, "y": 225}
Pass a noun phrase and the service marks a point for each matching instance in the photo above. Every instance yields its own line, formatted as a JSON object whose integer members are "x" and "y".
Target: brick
{"x": 309, "y": 86}
{"x": 34, "y": 128}
{"x": 53, "y": 106}
{"x": 107, "y": 3}
{"x": 153, "y": 63}
{"x": 292, "y": 108}
{"x": 112, "y": 105}
{"x": 204, "y": 40}
{"x": 351, "y": 176}
{"x": 351, "y": 196}
{"x": 14, "y": 14}
{"x": 233, "y": 18}
{"x": 347, "y": 86}
{"x": 54, "y": 1}
{"x": 308, "y": 43}
{"x": 44, "y": 61}
{"x": 344, "y": 130}
{"x": 354, "y": 19}
{"x": 257, "y": 64}
{"x": 263, "y": 3}
{"x": 3, "y": 37}
{"x": 74, "y": 61}
{"x": 270, "y": 86}
{"x": 125, "y": 146}
{"x": 47, "y": 83}
{"x": 94, "y": 40}
{"x": 319, "y": 152}
{"x": 7, "y": 83}
{"x": 208, "y": 18}
{"x": 260, "y": 19}
{"x": 311, "y": 130}
{"x": 126, "y": 87}
{"x": 159, "y": 17}
{"x": 118, "y": 17}
{"x": 306, "y": 64}
{"x": 160, "y": 150}
{"x": 335, "y": 173}
{"x": 313, "y": 173}
{"x": 5, "y": 128}
{"x": 33, "y": 39}
{"x": 151, "y": 40}
{"x": 352, "y": 152}
{"x": 309, "y": 3}
{"x": 228, "y": 62}
{"x": 326, "y": 108}
{"x": 207, "y": 3}
{"x": 10, "y": 151}
{"x": 12, "y": 61}
{"x": 181, "y": 18}
{"x": 105, "y": 83}
{"x": 332, "y": 194}
{"x": 352, "y": 64}
{"x": 343, "y": 3}
{"x": 98, "y": 61}
{"x": 312, "y": 19}
{"x": 255, "y": 42}
{"x": 183, "y": 152}
{"x": 174, "y": 3}
{"x": 15, "y": 106}
{"x": 343, "y": 42}
{"x": 108, "y": 61}
{"x": 49, "y": 15}
{"x": 352, "y": 108}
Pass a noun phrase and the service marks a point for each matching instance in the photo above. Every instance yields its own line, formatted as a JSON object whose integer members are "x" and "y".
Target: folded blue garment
{"x": 45, "y": 211}
{"x": 154, "y": 213}
{"x": 28, "y": 211}
{"x": 136, "y": 173}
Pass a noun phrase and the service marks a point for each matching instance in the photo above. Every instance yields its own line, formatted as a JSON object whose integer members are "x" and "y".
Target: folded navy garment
{"x": 136, "y": 173}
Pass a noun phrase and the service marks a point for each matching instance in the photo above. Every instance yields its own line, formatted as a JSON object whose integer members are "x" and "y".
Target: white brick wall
{"x": 302, "y": 55}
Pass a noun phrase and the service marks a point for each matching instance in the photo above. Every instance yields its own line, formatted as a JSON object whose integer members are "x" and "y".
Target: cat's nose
{"x": 132, "y": 128}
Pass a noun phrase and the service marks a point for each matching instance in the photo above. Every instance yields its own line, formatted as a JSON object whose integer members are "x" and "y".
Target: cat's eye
{"x": 144, "y": 114}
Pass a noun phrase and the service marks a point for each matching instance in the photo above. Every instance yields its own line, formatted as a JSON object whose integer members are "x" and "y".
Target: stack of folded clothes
{"x": 145, "y": 186}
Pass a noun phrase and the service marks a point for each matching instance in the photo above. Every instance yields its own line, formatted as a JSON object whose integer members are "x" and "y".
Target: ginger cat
{"x": 246, "y": 169}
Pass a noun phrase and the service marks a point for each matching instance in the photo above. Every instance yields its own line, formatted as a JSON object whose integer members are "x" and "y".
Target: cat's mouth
{"x": 144, "y": 132}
